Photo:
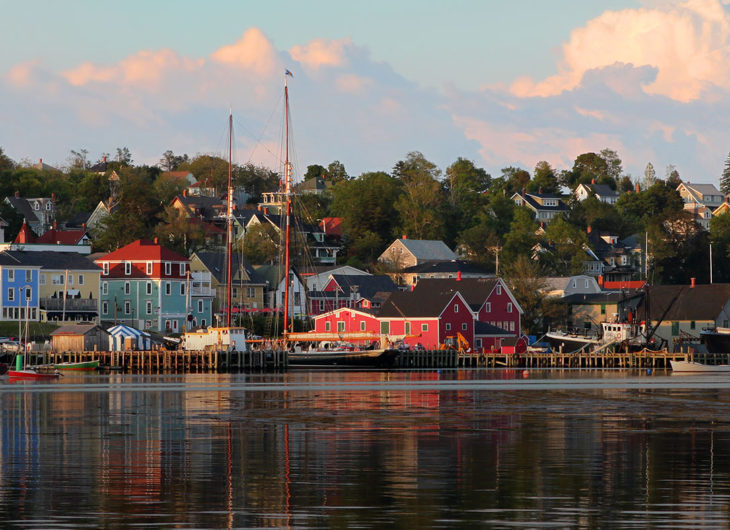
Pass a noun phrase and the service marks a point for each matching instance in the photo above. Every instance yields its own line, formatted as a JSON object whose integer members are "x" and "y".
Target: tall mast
{"x": 287, "y": 195}
{"x": 229, "y": 222}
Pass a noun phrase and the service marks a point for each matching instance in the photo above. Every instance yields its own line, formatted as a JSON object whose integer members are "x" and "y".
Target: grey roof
{"x": 474, "y": 290}
{"x": 454, "y": 266}
{"x": 604, "y": 297}
{"x": 704, "y": 189}
{"x": 76, "y": 329}
{"x": 484, "y": 328}
{"x": 22, "y": 206}
{"x": 366, "y": 285}
{"x": 603, "y": 190}
{"x": 682, "y": 302}
{"x": 415, "y": 304}
{"x": 530, "y": 200}
{"x": 424, "y": 249}
{"x": 215, "y": 262}
{"x": 48, "y": 260}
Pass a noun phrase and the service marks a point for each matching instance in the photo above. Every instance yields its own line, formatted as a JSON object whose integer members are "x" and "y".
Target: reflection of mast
{"x": 229, "y": 222}
{"x": 287, "y": 195}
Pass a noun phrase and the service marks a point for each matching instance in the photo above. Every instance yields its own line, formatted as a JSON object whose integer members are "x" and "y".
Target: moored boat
{"x": 695, "y": 367}
{"x": 625, "y": 334}
{"x": 380, "y": 358}
{"x": 716, "y": 340}
{"x": 84, "y": 366}
{"x": 34, "y": 373}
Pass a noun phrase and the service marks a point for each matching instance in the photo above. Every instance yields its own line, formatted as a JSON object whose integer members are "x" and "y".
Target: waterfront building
{"x": 148, "y": 286}
{"x": 545, "y": 206}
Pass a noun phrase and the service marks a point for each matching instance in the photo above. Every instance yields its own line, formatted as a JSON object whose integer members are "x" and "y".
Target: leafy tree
{"x": 167, "y": 187}
{"x": 367, "y": 206}
{"x": 92, "y": 189}
{"x": 656, "y": 203}
{"x": 613, "y": 164}
{"x": 720, "y": 239}
{"x": 79, "y": 159}
{"x": 312, "y": 207}
{"x": 255, "y": 180}
{"x": 521, "y": 238}
{"x": 13, "y": 218}
{"x": 725, "y": 178}
{"x": 261, "y": 244}
{"x": 515, "y": 178}
{"x": 544, "y": 179}
{"x": 678, "y": 249}
{"x": 170, "y": 161}
{"x": 649, "y": 176}
{"x": 599, "y": 216}
{"x": 422, "y": 204}
{"x": 566, "y": 244}
{"x": 124, "y": 156}
{"x": 178, "y": 232}
{"x": 625, "y": 184}
{"x": 6, "y": 164}
{"x": 586, "y": 168}
{"x": 210, "y": 170}
{"x": 465, "y": 185}
{"x": 336, "y": 172}
{"x": 315, "y": 171}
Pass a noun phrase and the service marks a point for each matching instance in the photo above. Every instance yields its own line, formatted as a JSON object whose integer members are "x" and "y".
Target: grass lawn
{"x": 36, "y": 330}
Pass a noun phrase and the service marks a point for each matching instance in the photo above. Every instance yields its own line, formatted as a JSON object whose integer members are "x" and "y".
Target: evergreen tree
{"x": 725, "y": 179}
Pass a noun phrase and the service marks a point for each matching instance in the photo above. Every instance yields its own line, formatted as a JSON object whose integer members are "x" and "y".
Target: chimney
{"x": 53, "y": 197}
{"x": 40, "y": 161}
{"x": 83, "y": 227}
{"x": 156, "y": 241}
{"x": 404, "y": 236}
{"x": 55, "y": 224}
{"x": 692, "y": 283}
{"x": 458, "y": 276}
{"x": 266, "y": 211}
{"x": 17, "y": 194}
{"x": 600, "y": 281}
{"x": 258, "y": 207}
{"x": 185, "y": 192}
{"x": 593, "y": 181}
{"x": 104, "y": 159}
{"x": 588, "y": 229}
{"x": 637, "y": 188}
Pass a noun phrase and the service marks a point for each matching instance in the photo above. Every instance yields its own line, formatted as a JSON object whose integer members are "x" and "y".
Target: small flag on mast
{"x": 287, "y": 72}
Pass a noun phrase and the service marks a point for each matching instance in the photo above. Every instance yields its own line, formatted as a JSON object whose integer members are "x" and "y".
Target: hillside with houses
{"x": 418, "y": 253}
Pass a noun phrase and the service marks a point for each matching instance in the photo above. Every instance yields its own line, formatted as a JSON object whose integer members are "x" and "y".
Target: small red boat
{"x": 30, "y": 373}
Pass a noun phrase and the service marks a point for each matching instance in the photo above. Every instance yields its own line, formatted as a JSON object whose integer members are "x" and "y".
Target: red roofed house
{"x": 148, "y": 286}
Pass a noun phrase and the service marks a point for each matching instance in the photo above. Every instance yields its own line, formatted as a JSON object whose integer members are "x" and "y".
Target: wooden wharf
{"x": 206, "y": 361}
{"x": 171, "y": 361}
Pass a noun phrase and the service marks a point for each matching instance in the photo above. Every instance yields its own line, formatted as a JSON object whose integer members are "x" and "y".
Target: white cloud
{"x": 687, "y": 43}
{"x": 321, "y": 52}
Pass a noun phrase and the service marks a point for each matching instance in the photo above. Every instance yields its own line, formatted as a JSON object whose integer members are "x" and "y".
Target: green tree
{"x": 649, "y": 176}
{"x": 678, "y": 250}
{"x": 261, "y": 244}
{"x": 725, "y": 177}
{"x": 422, "y": 204}
{"x": 170, "y": 161}
{"x": 178, "y": 232}
{"x": 516, "y": 179}
{"x": 367, "y": 206}
{"x": 566, "y": 244}
{"x": 6, "y": 164}
{"x": 255, "y": 180}
{"x": 720, "y": 239}
{"x": 212, "y": 171}
{"x": 521, "y": 238}
{"x": 124, "y": 156}
{"x": 336, "y": 172}
{"x": 544, "y": 180}
{"x": 167, "y": 187}
{"x": 656, "y": 203}
{"x": 315, "y": 171}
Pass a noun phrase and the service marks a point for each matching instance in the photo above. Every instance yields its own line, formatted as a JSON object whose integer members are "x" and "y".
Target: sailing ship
{"x": 310, "y": 349}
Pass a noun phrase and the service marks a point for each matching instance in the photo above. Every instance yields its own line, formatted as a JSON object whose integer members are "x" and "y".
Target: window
{"x": 127, "y": 288}
{"x": 478, "y": 343}
{"x": 586, "y": 284}
{"x": 408, "y": 328}
{"x": 603, "y": 309}
{"x": 488, "y": 307}
{"x": 81, "y": 279}
{"x": 48, "y": 206}
{"x": 28, "y": 276}
{"x": 168, "y": 289}
{"x": 148, "y": 288}
{"x": 42, "y": 279}
{"x": 384, "y": 328}
{"x": 105, "y": 268}
{"x": 70, "y": 279}
{"x": 340, "y": 326}
{"x": 36, "y": 206}
{"x": 251, "y": 292}
{"x": 456, "y": 308}
{"x": 362, "y": 325}
{"x": 168, "y": 268}
{"x": 127, "y": 308}
{"x": 424, "y": 327}
{"x": 675, "y": 329}
{"x": 200, "y": 306}
{"x": 499, "y": 289}
{"x": 512, "y": 325}
{"x": 174, "y": 325}
{"x": 104, "y": 308}
{"x": 11, "y": 275}
{"x": 326, "y": 326}
{"x": 127, "y": 268}
{"x": 148, "y": 268}
{"x": 448, "y": 326}
{"x": 509, "y": 307}
{"x": 463, "y": 326}
{"x": 182, "y": 288}
{"x": 692, "y": 325}
{"x": 104, "y": 288}
{"x": 321, "y": 305}
{"x": 182, "y": 269}
{"x": 167, "y": 325}
{"x": 11, "y": 294}
{"x": 148, "y": 307}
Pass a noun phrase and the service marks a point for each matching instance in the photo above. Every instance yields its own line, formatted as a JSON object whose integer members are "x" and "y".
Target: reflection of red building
{"x": 483, "y": 310}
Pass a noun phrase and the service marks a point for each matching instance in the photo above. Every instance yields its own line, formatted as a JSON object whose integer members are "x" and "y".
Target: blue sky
{"x": 501, "y": 83}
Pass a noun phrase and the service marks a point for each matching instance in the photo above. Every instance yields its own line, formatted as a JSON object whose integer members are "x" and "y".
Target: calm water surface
{"x": 426, "y": 449}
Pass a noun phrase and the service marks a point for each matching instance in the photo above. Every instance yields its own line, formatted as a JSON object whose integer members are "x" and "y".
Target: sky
{"x": 499, "y": 83}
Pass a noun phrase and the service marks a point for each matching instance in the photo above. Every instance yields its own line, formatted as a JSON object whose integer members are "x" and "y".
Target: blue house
{"x": 19, "y": 287}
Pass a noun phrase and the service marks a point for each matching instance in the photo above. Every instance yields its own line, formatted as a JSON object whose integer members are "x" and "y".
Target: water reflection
{"x": 339, "y": 448}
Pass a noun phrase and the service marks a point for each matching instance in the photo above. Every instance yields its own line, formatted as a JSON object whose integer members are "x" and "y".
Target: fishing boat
{"x": 335, "y": 349}
{"x": 619, "y": 333}
{"x": 716, "y": 340}
{"x": 83, "y": 366}
{"x": 695, "y": 367}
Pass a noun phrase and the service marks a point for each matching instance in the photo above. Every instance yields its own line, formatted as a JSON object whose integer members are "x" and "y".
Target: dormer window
{"x": 36, "y": 206}
{"x": 105, "y": 268}
{"x": 168, "y": 268}
{"x": 127, "y": 268}
{"x": 499, "y": 289}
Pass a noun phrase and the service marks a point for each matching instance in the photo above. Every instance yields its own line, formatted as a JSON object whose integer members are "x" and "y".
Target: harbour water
{"x": 367, "y": 449}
